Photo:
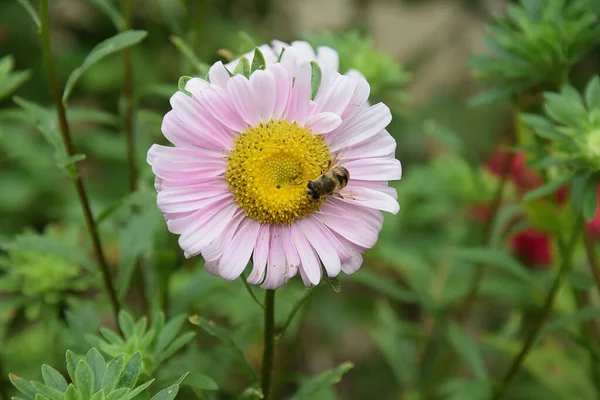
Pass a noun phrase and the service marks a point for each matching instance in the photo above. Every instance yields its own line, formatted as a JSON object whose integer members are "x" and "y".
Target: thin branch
{"x": 68, "y": 143}
{"x": 294, "y": 311}
{"x": 269, "y": 343}
{"x": 249, "y": 289}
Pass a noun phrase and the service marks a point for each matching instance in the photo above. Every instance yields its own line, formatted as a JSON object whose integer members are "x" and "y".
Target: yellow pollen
{"x": 269, "y": 168}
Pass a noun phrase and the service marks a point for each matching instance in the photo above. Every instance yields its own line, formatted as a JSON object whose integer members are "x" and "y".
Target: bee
{"x": 330, "y": 182}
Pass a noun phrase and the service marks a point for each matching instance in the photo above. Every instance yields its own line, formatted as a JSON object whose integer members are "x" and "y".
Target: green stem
{"x": 128, "y": 94}
{"x": 567, "y": 255}
{"x": 269, "y": 342}
{"x": 294, "y": 311}
{"x": 249, "y": 289}
{"x": 68, "y": 143}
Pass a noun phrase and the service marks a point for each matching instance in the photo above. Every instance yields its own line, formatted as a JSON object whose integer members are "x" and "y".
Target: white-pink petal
{"x": 311, "y": 267}
{"x": 260, "y": 256}
{"x": 234, "y": 260}
{"x": 375, "y": 169}
{"x": 323, "y": 122}
{"x": 361, "y": 127}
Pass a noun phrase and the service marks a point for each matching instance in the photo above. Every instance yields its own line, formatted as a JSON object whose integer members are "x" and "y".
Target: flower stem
{"x": 128, "y": 95}
{"x": 567, "y": 255}
{"x": 68, "y": 143}
{"x": 269, "y": 341}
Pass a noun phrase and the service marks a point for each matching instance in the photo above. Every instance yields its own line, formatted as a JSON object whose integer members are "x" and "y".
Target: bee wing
{"x": 351, "y": 195}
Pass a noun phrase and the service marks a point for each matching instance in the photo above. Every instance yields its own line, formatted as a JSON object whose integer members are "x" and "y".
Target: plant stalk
{"x": 567, "y": 255}
{"x": 269, "y": 342}
{"x": 68, "y": 143}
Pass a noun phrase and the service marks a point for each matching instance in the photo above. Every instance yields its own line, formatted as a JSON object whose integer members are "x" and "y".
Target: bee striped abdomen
{"x": 330, "y": 182}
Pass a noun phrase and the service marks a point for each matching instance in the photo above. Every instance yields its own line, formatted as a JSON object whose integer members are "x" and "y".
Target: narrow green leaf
{"x": 98, "y": 396}
{"x": 32, "y": 13}
{"x": 53, "y": 378}
{"x": 197, "y": 380}
{"x": 214, "y": 330}
{"x": 322, "y": 381}
{"x": 281, "y": 54}
{"x": 242, "y": 67}
{"x": 23, "y": 386}
{"x": 39, "y": 396}
{"x": 168, "y": 333}
{"x": 72, "y": 362}
{"x": 10, "y": 83}
{"x": 176, "y": 345}
{"x": 258, "y": 61}
{"x": 334, "y": 282}
{"x": 126, "y": 324}
{"x": 549, "y": 188}
{"x": 496, "y": 258}
{"x": 108, "y": 8}
{"x": 72, "y": 393}
{"x": 97, "y": 365}
{"x": 47, "y": 391}
{"x": 140, "y": 326}
{"x": 118, "y": 394}
{"x": 171, "y": 392}
{"x": 114, "y": 370}
{"x": 84, "y": 379}
{"x": 570, "y": 320}
{"x": 503, "y": 217}
{"x": 181, "y": 85}
{"x": 109, "y": 46}
{"x": 189, "y": 54}
{"x": 45, "y": 121}
{"x": 111, "y": 336}
{"x": 138, "y": 390}
{"x": 315, "y": 79}
{"x": 131, "y": 372}
{"x": 294, "y": 311}
{"x": 468, "y": 350}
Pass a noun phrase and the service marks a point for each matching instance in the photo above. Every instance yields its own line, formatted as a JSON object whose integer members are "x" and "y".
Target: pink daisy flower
{"x": 236, "y": 185}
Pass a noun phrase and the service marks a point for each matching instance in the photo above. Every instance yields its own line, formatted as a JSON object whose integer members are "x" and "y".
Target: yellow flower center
{"x": 269, "y": 168}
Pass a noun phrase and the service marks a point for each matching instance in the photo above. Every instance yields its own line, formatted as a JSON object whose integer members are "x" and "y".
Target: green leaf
{"x": 197, "y": 380}
{"x": 171, "y": 392}
{"x": 138, "y": 390}
{"x": 168, "y": 333}
{"x": 468, "y": 349}
{"x": 84, "y": 379}
{"x": 383, "y": 285}
{"x": 23, "y": 386}
{"x": 32, "y": 13}
{"x": 131, "y": 372}
{"x": 499, "y": 259}
{"x": 334, "y": 282}
{"x": 45, "y": 121}
{"x": 112, "y": 337}
{"x": 118, "y": 394}
{"x": 126, "y": 324}
{"x": 72, "y": 362}
{"x": 258, "y": 61}
{"x": 53, "y": 378}
{"x": 322, "y": 381}
{"x": 98, "y": 396}
{"x": 252, "y": 393}
{"x": 242, "y": 67}
{"x": 503, "y": 218}
{"x": 108, "y": 8}
{"x": 592, "y": 94}
{"x": 570, "y": 320}
{"x": 109, "y": 46}
{"x": 214, "y": 330}
{"x": 114, "y": 369}
{"x": 549, "y": 188}
{"x": 72, "y": 393}
{"x": 47, "y": 391}
{"x": 176, "y": 346}
{"x": 97, "y": 365}
{"x": 189, "y": 54}
{"x": 590, "y": 199}
{"x": 10, "y": 81}
{"x": 181, "y": 85}
{"x": 315, "y": 79}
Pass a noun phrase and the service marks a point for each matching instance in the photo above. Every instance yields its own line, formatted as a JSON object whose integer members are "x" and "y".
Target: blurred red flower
{"x": 533, "y": 247}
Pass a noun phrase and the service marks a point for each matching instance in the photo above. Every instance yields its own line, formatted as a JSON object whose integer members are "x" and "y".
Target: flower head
{"x": 235, "y": 186}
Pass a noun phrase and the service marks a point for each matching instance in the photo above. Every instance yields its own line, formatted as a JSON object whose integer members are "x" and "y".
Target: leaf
{"x": 242, "y": 67}
{"x": 197, "y": 380}
{"x": 131, "y": 372}
{"x": 168, "y": 333}
{"x": 108, "y": 8}
{"x": 214, "y": 330}
{"x": 109, "y": 46}
{"x": 592, "y": 94}
{"x": 322, "y": 381}
{"x": 138, "y": 390}
{"x": 549, "y": 188}
{"x": 258, "y": 61}
{"x": 98, "y": 396}
{"x": 383, "y": 285}
{"x": 176, "y": 346}
{"x": 252, "y": 393}
{"x": 171, "y": 392}
{"x": 114, "y": 369}
{"x": 189, "y": 54}
{"x": 10, "y": 81}
{"x": 23, "y": 386}
{"x": 72, "y": 393}
{"x": 468, "y": 349}
{"x": 496, "y": 258}
{"x": 570, "y": 320}
{"x": 112, "y": 337}
{"x": 503, "y": 217}
{"x": 118, "y": 394}
{"x": 315, "y": 79}
{"x": 32, "y": 13}
{"x": 47, "y": 391}
{"x": 126, "y": 323}
{"x": 181, "y": 85}
{"x": 72, "y": 361}
{"x": 45, "y": 121}
{"x": 97, "y": 365}
{"x": 53, "y": 378}
{"x": 334, "y": 282}
{"x": 84, "y": 379}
